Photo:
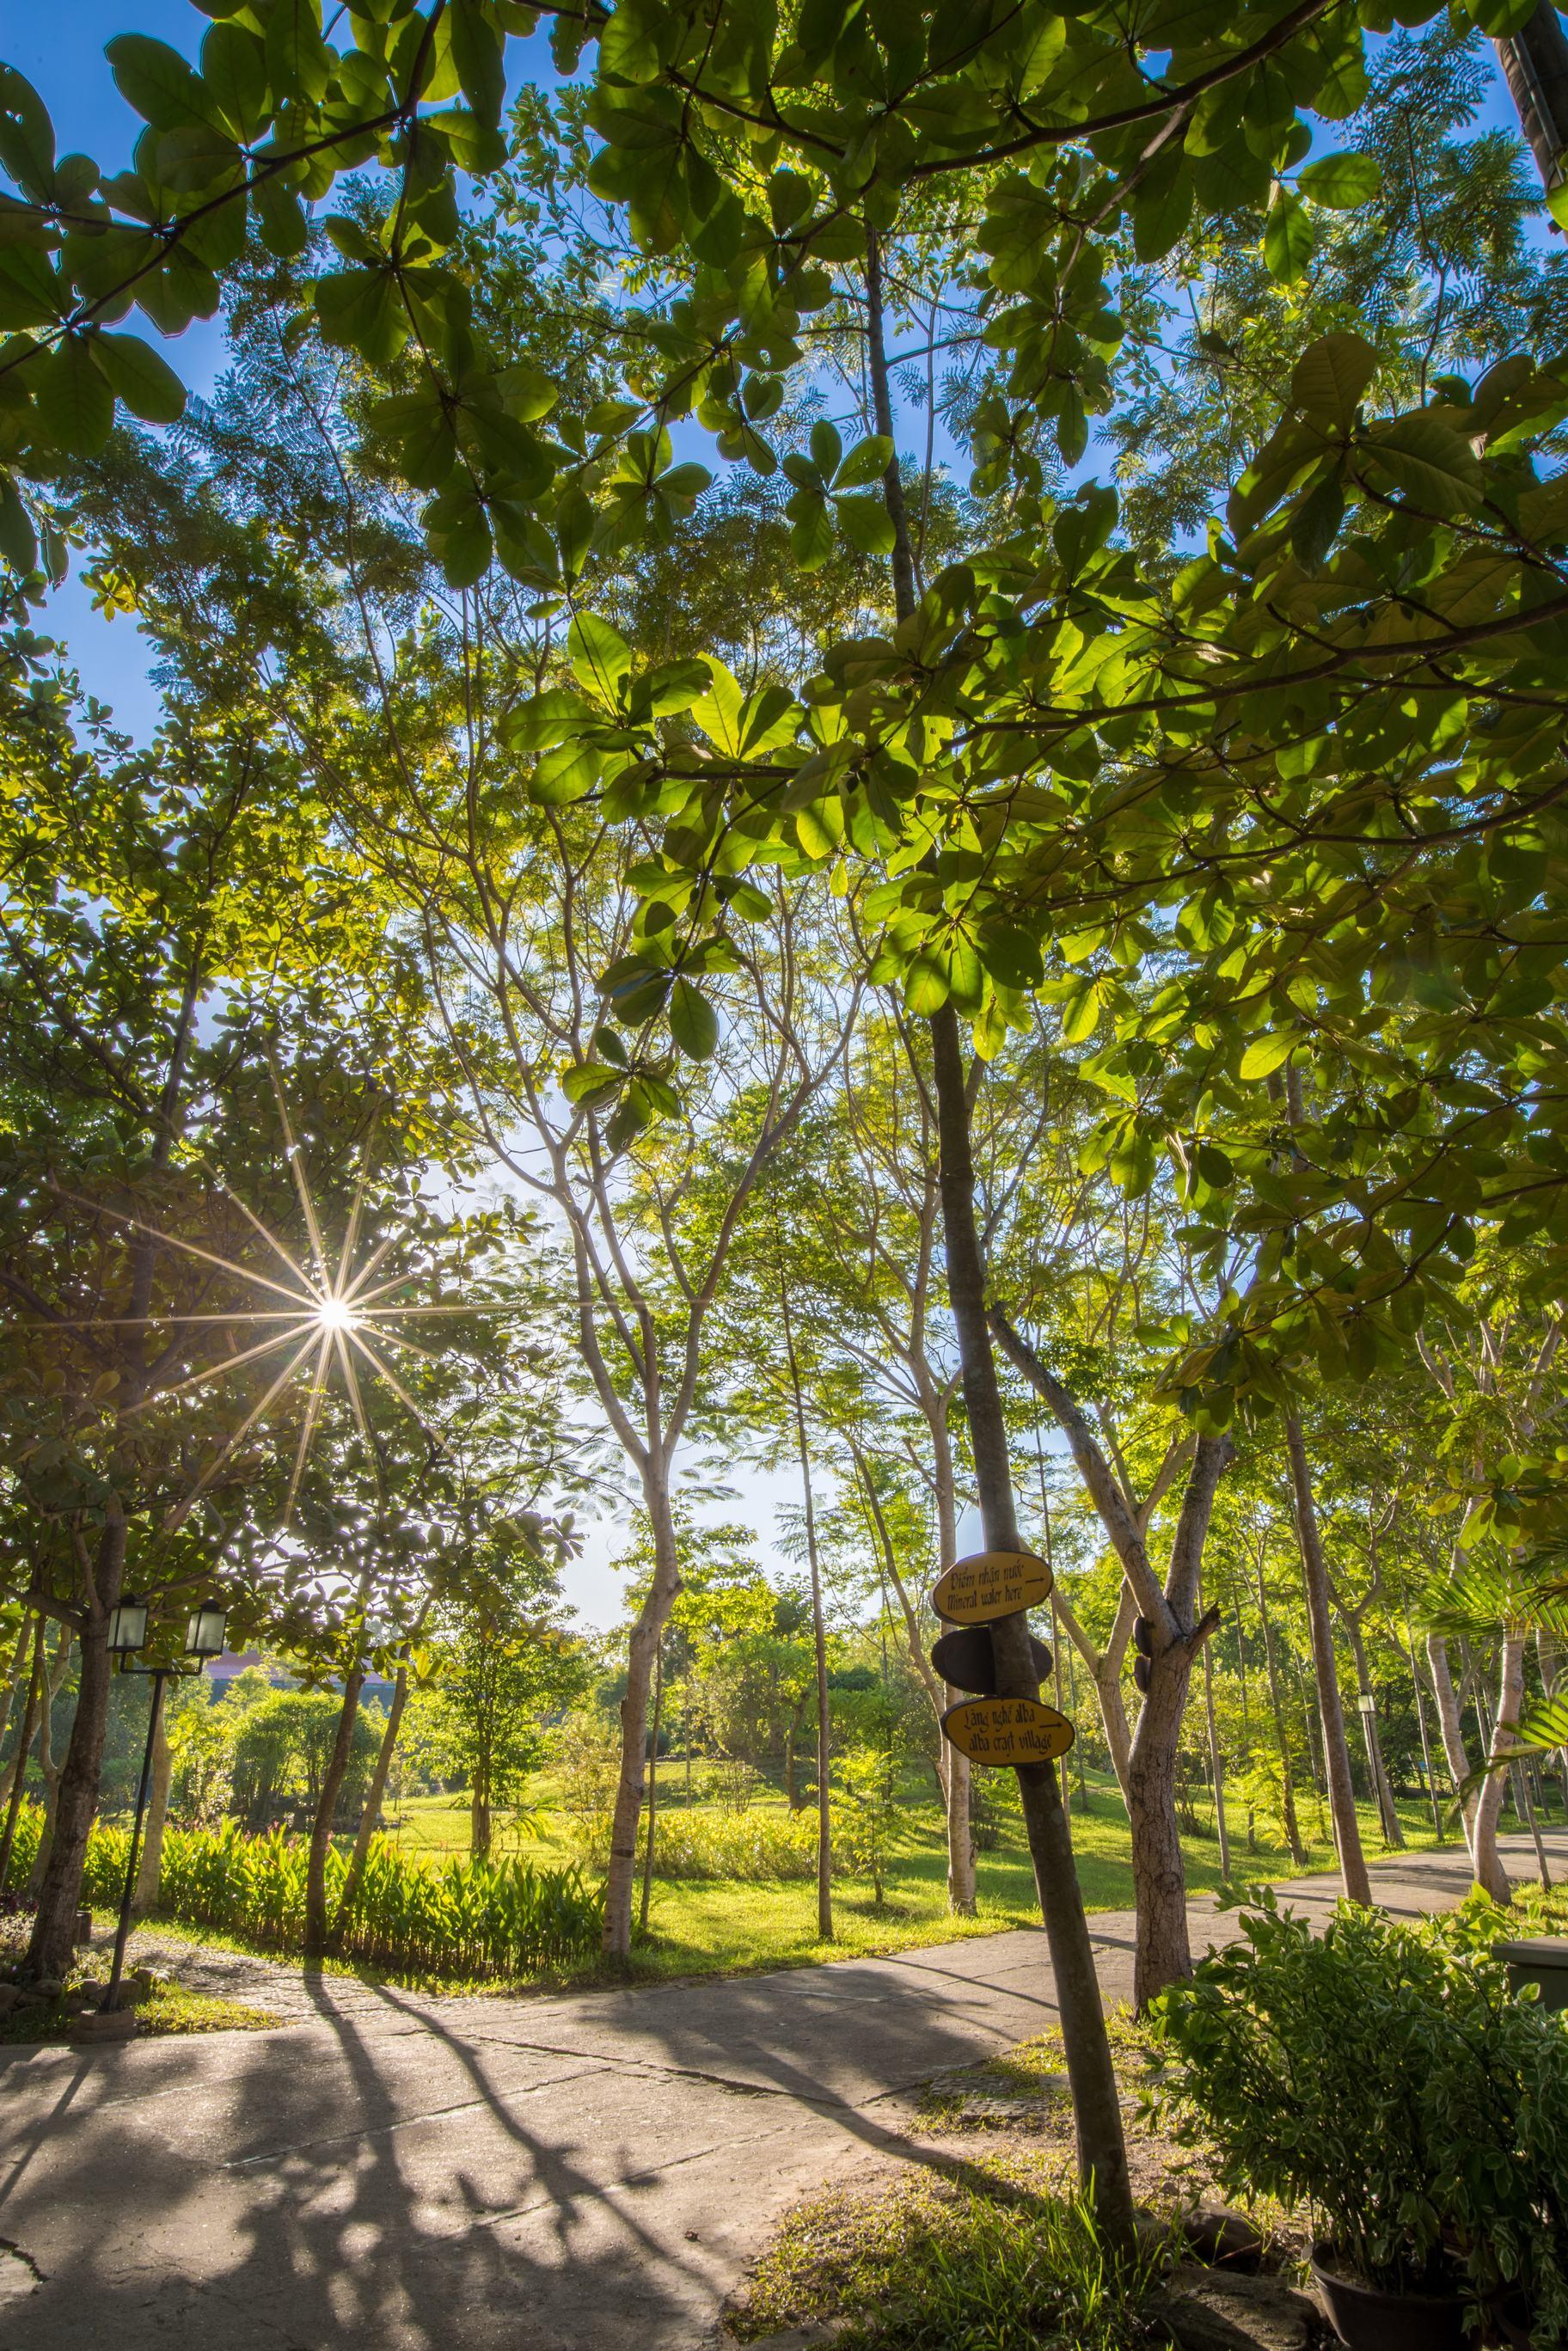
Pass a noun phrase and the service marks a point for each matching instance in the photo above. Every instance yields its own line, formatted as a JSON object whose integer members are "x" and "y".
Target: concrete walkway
{"x": 594, "y": 2173}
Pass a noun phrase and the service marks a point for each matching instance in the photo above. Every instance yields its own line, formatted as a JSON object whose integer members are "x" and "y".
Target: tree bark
{"x": 19, "y": 1759}
{"x": 1485, "y": 1858}
{"x": 150, "y": 1865}
{"x": 646, "y": 1634}
{"x": 1281, "y": 1738}
{"x": 1382, "y": 1788}
{"x": 53, "y": 1940}
{"x": 14, "y": 1678}
{"x": 1331, "y": 1712}
{"x": 819, "y": 1640}
{"x": 375, "y": 1796}
{"x": 1216, "y": 1766}
{"x": 1101, "y": 2147}
{"x": 652, "y": 1829}
{"x": 1451, "y": 1730}
{"x": 316, "y": 1931}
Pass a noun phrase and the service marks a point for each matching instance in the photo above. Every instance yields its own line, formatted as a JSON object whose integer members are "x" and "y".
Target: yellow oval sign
{"x": 1008, "y": 1730}
{"x": 990, "y": 1583}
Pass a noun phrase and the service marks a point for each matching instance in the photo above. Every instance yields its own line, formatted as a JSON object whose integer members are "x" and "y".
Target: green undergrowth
{"x": 991, "y": 2255}
{"x": 167, "y": 2010}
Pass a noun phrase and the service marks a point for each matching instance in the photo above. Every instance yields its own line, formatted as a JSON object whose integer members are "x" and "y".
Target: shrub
{"x": 1394, "y": 2085}
{"x": 467, "y": 1918}
{"x": 745, "y": 1848}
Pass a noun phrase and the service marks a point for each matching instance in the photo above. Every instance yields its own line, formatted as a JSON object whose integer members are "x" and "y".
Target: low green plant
{"x": 464, "y": 1918}
{"x": 1392, "y": 2085}
{"x": 1001, "y": 2261}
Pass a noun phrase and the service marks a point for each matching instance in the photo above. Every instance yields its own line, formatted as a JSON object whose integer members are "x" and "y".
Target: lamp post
{"x": 205, "y": 1635}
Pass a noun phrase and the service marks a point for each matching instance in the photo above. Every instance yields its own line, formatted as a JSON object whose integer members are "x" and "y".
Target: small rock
{"x": 105, "y": 2024}
{"x": 1209, "y": 2310}
{"x": 11, "y": 1996}
{"x": 47, "y": 1986}
{"x": 1227, "y": 2239}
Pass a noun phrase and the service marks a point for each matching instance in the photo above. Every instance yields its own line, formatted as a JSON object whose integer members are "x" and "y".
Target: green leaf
{"x": 567, "y": 774}
{"x": 925, "y": 987}
{"x": 589, "y": 1081}
{"x": 1080, "y": 1013}
{"x": 75, "y": 398}
{"x": 363, "y": 309}
{"x": 812, "y": 529}
{"x": 280, "y": 217}
{"x": 18, "y": 540}
{"x": 694, "y": 1023}
{"x": 478, "y": 56}
{"x": 1341, "y": 181}
{"x": 155, "y": 80}
{"x": 554, "y": 716}
{"x": 146, "y": 383}
{"x": 298, "y": 63}
{"x": 866, "y": 524}
{"x": 599, "y": 658}
{"x": 719, "y": 712}
{"x": 826, "y": 450}
{"x": 1265, "y": 1054}
{"x": 868, "y": 461}
{"x": 26, "y": 135}
{"x": 1429, "y": 461}
{"x": 1288, "y": 239}
{"x": 1330, "y": 377}
{"x": 233, "y": 68}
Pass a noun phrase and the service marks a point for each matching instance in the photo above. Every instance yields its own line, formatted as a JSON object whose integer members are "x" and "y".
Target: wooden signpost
{"x": 989, "y": 1729}
{"x": 991, "y": 1584}
{"x": 1008, "y": 1730}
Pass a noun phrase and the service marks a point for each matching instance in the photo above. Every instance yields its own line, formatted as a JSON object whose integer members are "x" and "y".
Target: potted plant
{"x": 1392, "y": 2086}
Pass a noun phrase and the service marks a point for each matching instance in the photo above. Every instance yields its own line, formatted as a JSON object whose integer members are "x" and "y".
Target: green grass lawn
{"x": 706, "y": 1927}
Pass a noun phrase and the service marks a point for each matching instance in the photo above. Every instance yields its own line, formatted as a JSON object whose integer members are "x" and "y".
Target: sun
{"x": 335, "y": 1314}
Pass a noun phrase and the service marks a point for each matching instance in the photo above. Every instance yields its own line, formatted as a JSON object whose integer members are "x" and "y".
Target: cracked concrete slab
{"x": 398, "y": 2172}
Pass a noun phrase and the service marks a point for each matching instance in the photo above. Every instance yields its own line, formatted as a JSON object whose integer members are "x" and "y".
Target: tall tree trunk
{"x": 621, "y": 1883}
{"x": 1451, "y": 1730}
{"x": 371, "y": 1813}
{"x": 316, "y": 1929}
{"x": 954, "y": 1767}
{"x": 1282, "y": 1735}
{"x": 651, "y": 1830}
{"x": 1534, "y": 62}
{"x": 1485, "y": 1858}
{"x": 19, "y": 1759}
{"x": 1101, "y": 2147}
{"x": 1432, "y": 1796}
{"x": 150, "y": 1863}
{"x": 53, "y": 1941}
{"x": 1216, "y": 1767}
{"x": 1246, "y": 1723}
{"x": 1382, "y": 1788}
{"x": 1331, "y": 1712}
{"x": 50, "y": 1766}
{"x": 818, "y": 1639}
{"x": 14, "y": 1676}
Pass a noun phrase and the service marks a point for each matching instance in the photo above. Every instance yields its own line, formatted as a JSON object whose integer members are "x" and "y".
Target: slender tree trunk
{"x": 1217, "y": 1770}
{"x": 1281, "y": 1736}
{"x": 481, "y": 1821}
{"x": 19, "y": 1761}
{"x": 1101, "y": 2148}
{"x": 1382, "y": 1788}
{"x": 49, "y": 1765}
{"x": 53, "y": 1942}
{"x": 1451, "y": 1730}
{"x": 149, "y": 1863}
{"x": 316, "y": 1921}
{"x": 954, "y": 1768}
{"x": 789, "y": 1796}
{"x": 819, "y": 1638}
{"x": 646, "y": 1635}
{"x": 650, "y": 1831}
{"x": 1485, "y": 1858}
{"x": 1432, "y": 1796}
{"x": 1246, "y": 1723}
{"x": 1331, "y": 1712}
{"x": 14, "y": 1676}
{"x": 375, "y": 1796}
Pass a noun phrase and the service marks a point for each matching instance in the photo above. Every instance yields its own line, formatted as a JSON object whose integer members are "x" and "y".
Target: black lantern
{"x": 128, "y": 1626}
{"x": 207, "y": 1630}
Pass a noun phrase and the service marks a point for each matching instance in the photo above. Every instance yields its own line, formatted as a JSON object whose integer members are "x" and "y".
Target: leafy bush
{"x": 1392, "y": 2084}
{"x": 467, "y": 1918}
{"x": 741, "y": 1848}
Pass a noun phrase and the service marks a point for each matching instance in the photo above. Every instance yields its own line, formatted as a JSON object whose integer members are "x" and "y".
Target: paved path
{"x": 389, "y": 2172}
